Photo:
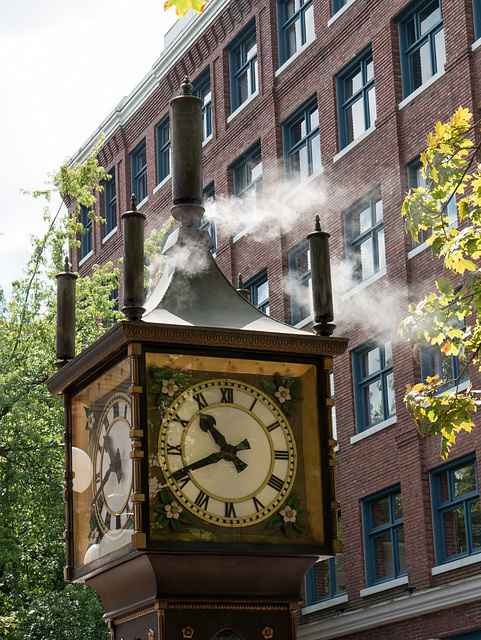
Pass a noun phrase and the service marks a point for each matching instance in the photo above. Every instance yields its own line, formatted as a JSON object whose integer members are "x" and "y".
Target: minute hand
{"x": 203, "y": 462}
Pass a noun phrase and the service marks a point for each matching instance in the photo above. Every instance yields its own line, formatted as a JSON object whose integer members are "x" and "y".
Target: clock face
{"x": 112, "y": 468}
{"x": 227, "y": 452}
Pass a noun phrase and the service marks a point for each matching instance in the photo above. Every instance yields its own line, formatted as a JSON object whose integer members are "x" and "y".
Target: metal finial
{"x": 133, "y": 203}
{"x": 317, "y": 226}
{"x": 186, "y": 87}
{"x": 66, "y": 265}
{"x": 245, "y": 293}
{"x": 239, "y": 282}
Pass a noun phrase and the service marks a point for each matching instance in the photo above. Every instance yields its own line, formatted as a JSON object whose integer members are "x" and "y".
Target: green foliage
{"x": 182, "y": 6}
{"x": 35, "y": 602}
{"x": 439, "y": 319}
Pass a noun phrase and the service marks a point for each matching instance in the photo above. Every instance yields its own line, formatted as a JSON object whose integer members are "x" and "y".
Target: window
{"x": 204, "y": 223}
{"x": 373, "y": 384}
{"x": 477, "y": 18}
{"x": 422, "y": 44}
{"x": 163, "y": 149}
{"x": 456, "y": 510}
{"x": 300, "y": 278}
{"x": 201, "y": 89}
{"x": 384, "y": 537}
{"x": 356, "y": 98}
{"x": 86, "y": 240}
{"x": 139, "y": 172}
{"x": 448, "y": 368}
{"x": 325, "y": 579}
{"x": 248, "y": 177}
{"x": 337, "y": 5}
{"x": 110, "y": 203}
{"x": 365, "y": 238}
{"x": 296, "y": 26}
{"x": 259, "y": 288}
{"x": 243, "y": 65}
{"x": 417, "y": 180}
{"x": 302, "y": 147}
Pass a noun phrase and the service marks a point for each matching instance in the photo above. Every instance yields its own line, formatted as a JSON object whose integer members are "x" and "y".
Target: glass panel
{"x": 371, "y": 362}
{"x": 369, "y": 70}
{"x": 262, "y": 293}
{"x": 380, "y": 512}
{"x": 298, "y": 132}
{"x": 454, "y": 531}
{"x": 242, "y": 88}
{"x": 411, "y": 31}
{"x": 420, "y": 66}
{"x": 309, "y": 23}
{"x": 314, "y": 119}
{"x": 443, "y": 486}
{"x": 464, "y": 480}
{"x": 339, "y": 572}
{"x": 475, "y": 523}
{"x": 391, "y": 399}
{"x": 321, "y": 580}
{"x": 355, "y": 119}
{"x": 367, "y": 264}
{"x": 290, "y": 8}
{"x": 383, "y": 557}
{"x": 398, "y": 506}
{"x": 303, "y": 162}
{"x": 401, "y": 550}
{"x": 387, "y": 353}
{"x": 365, "y": 221}
{"x": 373, "y": 403}
{"x": 429, "y": 16}
{"x": 439, "y": 47}
{"x": 353, "y": 84}
{"x": 381, "y": 250}
{"x": 371, "y": 100}
{"x": 378, "y": 211}
{"x": 251, "y": 48}
{"x": 292, "y": 38}
{"x": 255, "y": 168}
{"x": 315, "y": 154}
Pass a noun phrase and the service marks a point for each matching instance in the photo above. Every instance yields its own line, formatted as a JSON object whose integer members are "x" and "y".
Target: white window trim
{"x": 208, "y": 139}
{"x": 421, "y": 247}
{"x": 365, "y": 283}
{"x": 354, "y": 143}
{"x": 109, "y": 235}
{"x": 301, "y": 185}
{"x": 420, "y": 89}
{"x": 142, "y": 202}
{"x": 243, "y": 105}
{"x": 294, "y": 57}
{"x": 476, "y": 44}
{"x": 325, "y": 604}
{"x": 384, "y": 586}
{"x": 374, "y": 429}
{"x": 339, "y": 13}
{"x": 456, "y": 564}
{"x": 85, "y": 258}
{"x": 161, "y": 184}
{"x": 304, "y": 321}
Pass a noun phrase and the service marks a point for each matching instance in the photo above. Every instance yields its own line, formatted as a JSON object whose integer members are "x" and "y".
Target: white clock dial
{"x": 227, "y": 452}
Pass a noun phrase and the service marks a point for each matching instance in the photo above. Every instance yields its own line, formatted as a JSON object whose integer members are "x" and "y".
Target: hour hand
{"x": 207, "y": 424}
{"x": 115, "y": 458}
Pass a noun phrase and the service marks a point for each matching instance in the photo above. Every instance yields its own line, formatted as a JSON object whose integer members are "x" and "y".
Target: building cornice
{"x": 195, "y": 26}
{"x": 396, "y": 610}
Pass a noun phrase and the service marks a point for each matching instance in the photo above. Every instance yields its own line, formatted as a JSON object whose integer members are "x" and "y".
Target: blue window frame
{"x": 337, "y": 5}
{"x": 302, "y": 147}
{"x": 477, "y": 20}
{"x": 417, "y": 180}
{"x": 248, "y": 176}
{"x": 325, "y": 580}
{"x": 243, "y": 67}
{"x": 110, "y": 203}
{"x": 421, "y": 35}
{"x": 364, "y": 226}
{"x": 201, "y": 89}
{"x": 373, "y": 384}
{"x": 475, "y": 635}
{"x": 384, "y": 544}
{"x": 163, "y": 149}
{"x": 456, "y": 510}
{"x": 448, "y": 368}
{"x": 139, "y": 171}
{"x": 296, "y": 26}
{"x": 259, "y": 288}
{"x": 300, "y": 280}
{"x": 86, "y": 239}
{"x": 356, "y": 98}
{"x": 208, "y": 200}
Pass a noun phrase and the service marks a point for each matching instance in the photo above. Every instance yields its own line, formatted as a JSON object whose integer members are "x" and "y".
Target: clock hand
{"x": 102, "y": 484}
{"x": 115, "y": 458}
{"x": 203, "y": 462}
{"x": 207, "y": 423}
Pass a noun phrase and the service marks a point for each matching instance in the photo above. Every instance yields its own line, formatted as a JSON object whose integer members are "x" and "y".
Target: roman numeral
{"x": 201, "y": 401}
{"x": 227, "y": 395}
{"x": 118, "y": 523}
{"x": 276, "y": 483}
{"x": 108, "y": 518}
{"x": 183, "y": 480}
{"x": 253, "y": 404}
{"x": 202, "y": 500}
{"x": 230, "y": 510}
{"x": 126, "y": 410}
{"x": 257, "y": 504}
{"x": 184, "y": 423}
{"x": 281, "y": 455}
{"x": 174, "y": 449}
{"x": 115, "y": 408}
{"x": 273, "y": 426}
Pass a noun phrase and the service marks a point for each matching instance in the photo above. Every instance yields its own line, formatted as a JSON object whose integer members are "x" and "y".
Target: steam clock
{"x": 199, "y": 479}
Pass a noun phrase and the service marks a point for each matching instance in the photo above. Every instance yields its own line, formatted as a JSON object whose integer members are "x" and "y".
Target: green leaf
{"x": 186, "y": 518}
{"x": 269, "y": 386}
{"x": 294, "y": 500}
{"x": 162, "y": 521}
{"x": 276, "y": 521}
{"x": 300, "y": 526}
{"x": 279, "y": 380}
{"x": 175, "y": 524}
{"x": 165, "y": 496}
{"x": 289, "y": 407}
{"x": 159, "y": 508}
{"x": 288, "y": 528}
{"x": 155, "y": 388}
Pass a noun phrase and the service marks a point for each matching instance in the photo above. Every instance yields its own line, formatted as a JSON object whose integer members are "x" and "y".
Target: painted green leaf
{"x": 159, "y": 508}
{"x": 165, "y": 496}
{"x": 155, "y": 388}
{"x": 162, "y": 521}
{"x": 269, "y": 386}
{"x": 289, "y": 407}
{"x": 294, "y": 500}
{"x": 276, "y": 521}
{"x": 288, "y": 528}
{"x": 300, "y": 526}
{"x": 279, "y": 380}
{"x": 175, "y": 524}
{"x": 186, "y": 518}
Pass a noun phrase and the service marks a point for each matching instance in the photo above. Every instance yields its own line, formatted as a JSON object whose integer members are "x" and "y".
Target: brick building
{"x": 322, "y": 107}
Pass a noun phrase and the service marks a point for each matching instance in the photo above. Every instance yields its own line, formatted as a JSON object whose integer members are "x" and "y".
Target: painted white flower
{"x": 283, "y": 394}
{"x": 91, "y": 420}
{"x": 288, "y": 513}
{"x": 169, "y": 387}
{"x": 173, "y": 510}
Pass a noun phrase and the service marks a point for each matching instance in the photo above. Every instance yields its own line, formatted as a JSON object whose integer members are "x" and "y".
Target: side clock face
{"x": 227, "y": 452}
{"x": 112, "y": 468}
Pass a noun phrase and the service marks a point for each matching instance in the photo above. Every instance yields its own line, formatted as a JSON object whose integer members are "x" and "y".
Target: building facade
{"x": 322, "y": 107}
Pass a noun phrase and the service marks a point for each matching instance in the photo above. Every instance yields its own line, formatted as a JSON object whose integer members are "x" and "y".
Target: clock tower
{"x": 199, "y": 480}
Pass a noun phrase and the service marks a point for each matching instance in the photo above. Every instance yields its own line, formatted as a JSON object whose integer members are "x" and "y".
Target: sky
{"x": 65, "y": 65}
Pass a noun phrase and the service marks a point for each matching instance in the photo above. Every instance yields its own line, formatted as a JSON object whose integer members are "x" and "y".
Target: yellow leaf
{"x": 182, "y": 6}
{"x": 446, "y": 348}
